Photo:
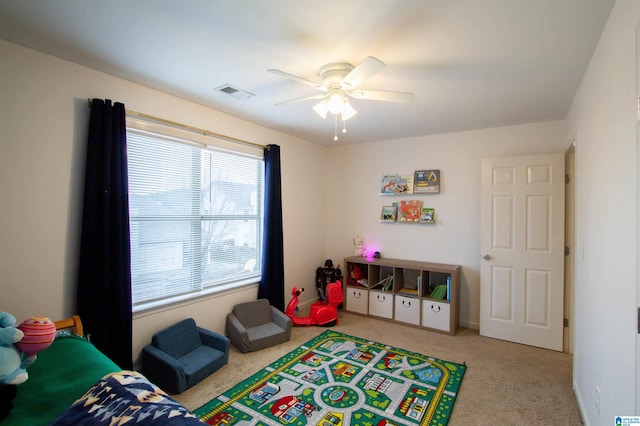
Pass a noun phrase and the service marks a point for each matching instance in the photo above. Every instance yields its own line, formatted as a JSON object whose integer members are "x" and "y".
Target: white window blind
{"x": 195, "y": 217}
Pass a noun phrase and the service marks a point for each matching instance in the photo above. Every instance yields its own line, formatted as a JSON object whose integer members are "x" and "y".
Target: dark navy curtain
{"x": 104, "y": 278}
{"x": 272, "y": 281}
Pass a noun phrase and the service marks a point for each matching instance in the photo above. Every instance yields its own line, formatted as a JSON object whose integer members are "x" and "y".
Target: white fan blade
{"x": 363, "y": 71}
{"x": 308, "y": 98}
{"x": 378, "y": 95}
{"x": 295, "y": 77}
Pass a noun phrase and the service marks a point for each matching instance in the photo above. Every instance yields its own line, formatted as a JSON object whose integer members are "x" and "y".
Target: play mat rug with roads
{"x": 337, "y": 379}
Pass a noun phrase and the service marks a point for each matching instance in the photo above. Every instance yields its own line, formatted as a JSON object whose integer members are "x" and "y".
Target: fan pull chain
{"x": 335, "y": 127}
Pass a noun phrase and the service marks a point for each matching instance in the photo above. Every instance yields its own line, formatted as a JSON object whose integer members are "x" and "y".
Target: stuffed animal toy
{"x": 12, "y": 368}
{"x": 358, "y": 244}
{"x": 30, "y": 337}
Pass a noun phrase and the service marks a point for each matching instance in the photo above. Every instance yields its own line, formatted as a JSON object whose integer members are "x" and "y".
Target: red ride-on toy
{"x": 321, "y": 313}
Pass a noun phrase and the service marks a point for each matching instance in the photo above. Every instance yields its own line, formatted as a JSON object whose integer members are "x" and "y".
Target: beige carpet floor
{"x": 505, "y": 383}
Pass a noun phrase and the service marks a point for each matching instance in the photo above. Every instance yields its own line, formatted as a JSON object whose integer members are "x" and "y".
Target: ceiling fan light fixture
{"x": 336, "y": 103}
{"x": 339, "y": 80}
{"x": 321, "y": 108}
{"x": 347, "y": 110}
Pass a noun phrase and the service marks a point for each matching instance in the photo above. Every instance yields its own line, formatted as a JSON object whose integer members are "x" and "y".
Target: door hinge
{"x": 567, "y": 179}
{"x": 567, "y": 251}
{"x": 566, "y": 322}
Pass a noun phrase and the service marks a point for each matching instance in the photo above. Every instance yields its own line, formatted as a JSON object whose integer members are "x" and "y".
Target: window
{"x": 195, "y": 216}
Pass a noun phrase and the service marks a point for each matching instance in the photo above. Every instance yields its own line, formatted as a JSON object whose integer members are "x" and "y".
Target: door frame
{"x": 569, "y": 242}
{"x": 638, "y": 219}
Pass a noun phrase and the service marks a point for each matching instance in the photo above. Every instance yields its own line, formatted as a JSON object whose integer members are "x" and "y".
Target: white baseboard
{"x": 580, "y": 400}
{"x": 470, "y": 324}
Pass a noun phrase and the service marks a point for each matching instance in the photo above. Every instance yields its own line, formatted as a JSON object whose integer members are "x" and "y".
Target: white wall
{"x": 43, "y": 127}
{"x": 603, "y": 121}
{"x": 354, "y": 187}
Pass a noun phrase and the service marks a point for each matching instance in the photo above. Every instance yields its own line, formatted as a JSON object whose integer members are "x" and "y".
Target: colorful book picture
{"x": 394, "y": 184}
{"x": 388, "y": 214}
{"x": 428, "y": 215}
{"x": 426, "y": 182}
{"x": 410, "y": 211}
{"x": 409, "y": 180}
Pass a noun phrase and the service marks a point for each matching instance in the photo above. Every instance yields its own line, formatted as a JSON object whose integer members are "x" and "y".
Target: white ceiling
{"x": 471, "y": 63}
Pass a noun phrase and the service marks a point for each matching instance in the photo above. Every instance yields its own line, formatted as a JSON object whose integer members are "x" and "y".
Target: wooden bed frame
{"x": 74, "y": 322}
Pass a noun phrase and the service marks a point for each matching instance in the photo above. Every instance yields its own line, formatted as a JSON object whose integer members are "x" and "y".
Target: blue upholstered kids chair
{"x": 182, "y": 355}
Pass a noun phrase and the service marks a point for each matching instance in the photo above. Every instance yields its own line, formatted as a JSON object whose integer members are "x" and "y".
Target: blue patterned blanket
{"x": 126, "y": 397}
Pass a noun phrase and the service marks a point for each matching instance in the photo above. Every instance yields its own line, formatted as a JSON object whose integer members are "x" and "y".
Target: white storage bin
{"x": 381, "y": 304}
{"x": 407, "y": 309}
{"x": 436, "y": 315}
{"x": 357, "y": 300}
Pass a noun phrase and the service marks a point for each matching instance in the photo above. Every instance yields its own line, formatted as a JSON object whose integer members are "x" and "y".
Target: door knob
{"x": 486, "y": 256}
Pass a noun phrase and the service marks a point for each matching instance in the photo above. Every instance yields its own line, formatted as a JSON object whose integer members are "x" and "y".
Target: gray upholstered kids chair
{"x": 256, "y": 325}
{"x": 182, "y": 355}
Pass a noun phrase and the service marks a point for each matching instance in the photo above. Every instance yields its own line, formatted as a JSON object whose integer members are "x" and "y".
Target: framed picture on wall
{"x": 428, "y": 215}
{"x": 409, "y": 211}
{"x": 393, "y": 184}
{"x": 388, "y": 214}
{"x": 426, "y": 182}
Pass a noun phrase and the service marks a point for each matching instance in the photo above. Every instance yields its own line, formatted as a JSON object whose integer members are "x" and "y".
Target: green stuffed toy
{"x": 12, "y": 366}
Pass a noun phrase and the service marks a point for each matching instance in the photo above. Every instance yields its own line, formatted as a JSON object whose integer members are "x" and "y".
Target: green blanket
{"x": 61, "y": 374}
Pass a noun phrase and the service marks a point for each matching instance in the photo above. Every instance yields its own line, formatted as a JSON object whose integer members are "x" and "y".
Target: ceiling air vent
{"x": 235, "y": 92}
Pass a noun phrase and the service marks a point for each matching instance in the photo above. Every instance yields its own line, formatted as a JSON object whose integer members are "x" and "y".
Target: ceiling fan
{"x": 340, "y": 80}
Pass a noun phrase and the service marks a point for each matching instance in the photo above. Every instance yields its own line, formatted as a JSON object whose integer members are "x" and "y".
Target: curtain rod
{"x": 204, "y": 132}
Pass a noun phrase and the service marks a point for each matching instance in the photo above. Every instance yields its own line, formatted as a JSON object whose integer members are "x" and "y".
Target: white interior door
{"x": 522, "y": 237}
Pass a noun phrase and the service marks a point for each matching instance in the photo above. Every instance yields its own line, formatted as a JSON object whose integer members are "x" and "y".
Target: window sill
{"x": 146, "y": 309}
